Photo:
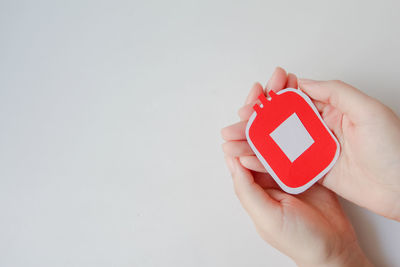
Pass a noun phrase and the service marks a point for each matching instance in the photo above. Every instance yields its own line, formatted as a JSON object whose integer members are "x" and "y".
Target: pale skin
{"x": 311, "y": 227}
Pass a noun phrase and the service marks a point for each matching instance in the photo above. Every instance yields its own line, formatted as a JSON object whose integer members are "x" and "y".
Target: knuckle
{"x": 225, "y": 147}
{"x": 337, "y": 82}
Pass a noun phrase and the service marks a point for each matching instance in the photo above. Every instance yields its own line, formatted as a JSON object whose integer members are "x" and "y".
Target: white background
{"x": 110, "y": 113}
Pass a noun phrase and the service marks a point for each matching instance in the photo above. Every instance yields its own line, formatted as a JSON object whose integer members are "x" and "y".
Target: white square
{"x": 292, "y": 137}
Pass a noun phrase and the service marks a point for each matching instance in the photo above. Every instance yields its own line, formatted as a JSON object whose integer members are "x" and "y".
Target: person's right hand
{"x": 367, "y": 171}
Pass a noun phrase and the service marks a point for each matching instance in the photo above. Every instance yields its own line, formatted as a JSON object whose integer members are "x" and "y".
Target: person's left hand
{"x": 311, "y": 227}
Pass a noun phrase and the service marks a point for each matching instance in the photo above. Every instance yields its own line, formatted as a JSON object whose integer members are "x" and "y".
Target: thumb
{"x": 340, "y": 95}
{"x": 253, "y": 198}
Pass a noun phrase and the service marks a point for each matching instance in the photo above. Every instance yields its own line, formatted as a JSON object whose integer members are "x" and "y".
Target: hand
{"x": 311, "y": 227}
{"x": 367, "y": 171}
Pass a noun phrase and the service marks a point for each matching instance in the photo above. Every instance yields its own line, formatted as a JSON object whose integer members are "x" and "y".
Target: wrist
{"x": 348, "y": 258}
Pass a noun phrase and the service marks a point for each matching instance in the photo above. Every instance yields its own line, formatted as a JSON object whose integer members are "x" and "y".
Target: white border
{"x": 293, "y": 190}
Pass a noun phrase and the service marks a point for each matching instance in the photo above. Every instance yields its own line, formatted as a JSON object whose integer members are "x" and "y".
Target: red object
{"x": 289, "y": 137}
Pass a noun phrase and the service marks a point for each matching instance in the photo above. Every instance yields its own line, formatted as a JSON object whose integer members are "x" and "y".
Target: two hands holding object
{"x": 311, "y": 227}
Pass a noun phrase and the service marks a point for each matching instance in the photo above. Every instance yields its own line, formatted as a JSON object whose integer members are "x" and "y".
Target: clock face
{"x": 291, "y": 140}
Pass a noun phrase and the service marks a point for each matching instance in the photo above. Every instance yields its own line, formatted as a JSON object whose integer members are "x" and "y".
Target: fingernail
{"x": 268, "y": 87}
{"x": 270, "y": 79}
{"x": 302, "y": 80}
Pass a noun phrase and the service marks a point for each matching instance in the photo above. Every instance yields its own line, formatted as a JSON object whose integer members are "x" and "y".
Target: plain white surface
{"x": 110, "y": 114}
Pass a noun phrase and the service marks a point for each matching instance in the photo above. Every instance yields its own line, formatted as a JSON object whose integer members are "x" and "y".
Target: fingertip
{"x": 309, "y": 87}
{"x": 225, "y": 133}
{"x": 252, "y": 196}
{"x": 236, "y": 161}
{"x": 257, "y": 85}
{"x": 246, "y": 111}
{"x": 221, "y": 132}
{"x": 237, "y": 148}
{"x": 307, "y": 84}
{"x": 234, "y": 132}
{"x": 252, "y": 163}
{"x": 277, "y": 81}
{"x": 306, "y": 81}
{"x": 255, "y": 91}
{"x": 230, "y": 164}
{"x": 292, "y": 81}
{"x": 242, "y": 173}
{"x": 280, "y": 69}
{"x": 344, "y": 97}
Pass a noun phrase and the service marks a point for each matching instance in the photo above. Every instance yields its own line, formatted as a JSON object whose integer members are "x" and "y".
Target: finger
{"x": 255, "y": 91}
{"x": 278, "y": 195}
{"x": 277, "y": 81}
{"x": 235, "y": 131}
{"x": 291, "y": 81}
{"x": 246, "y": 111}
{"x": 252, "y": 163}
{"x": 340, "y": 95}
{"x": 331, "y": 117}
{"x": 253, "y": 198}
{"x": 237, "y": 148}
{"x": 319, "y": 105}
{"x": 265, "y": 180}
